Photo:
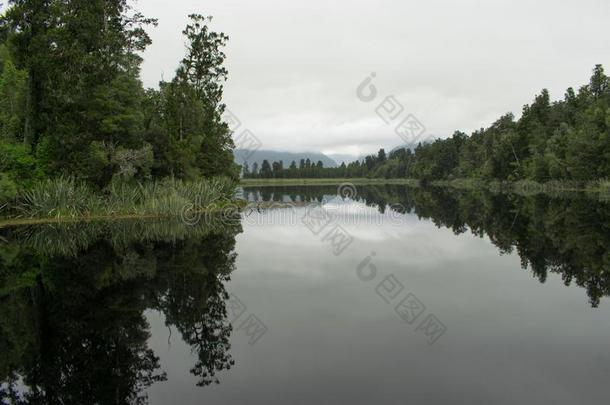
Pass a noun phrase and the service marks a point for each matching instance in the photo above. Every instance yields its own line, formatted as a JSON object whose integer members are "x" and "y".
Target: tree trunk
{"x": 28, "y": 133}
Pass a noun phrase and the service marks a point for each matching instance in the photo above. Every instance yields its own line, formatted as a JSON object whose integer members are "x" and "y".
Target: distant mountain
{"x": 244, "y": 155}
{"x": 344, "y": 158}
{"x": 413, "y": 145}
{"x": 331, "y": 160}
{"x": 347, "y": 159}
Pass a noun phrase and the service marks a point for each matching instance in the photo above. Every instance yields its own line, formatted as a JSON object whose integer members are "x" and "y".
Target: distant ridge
{"x": 244, "y": 155}
{"x": 345, "y": 158}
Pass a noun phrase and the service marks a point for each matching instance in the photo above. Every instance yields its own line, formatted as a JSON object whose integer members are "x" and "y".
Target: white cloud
{"x": 294, "y": 68}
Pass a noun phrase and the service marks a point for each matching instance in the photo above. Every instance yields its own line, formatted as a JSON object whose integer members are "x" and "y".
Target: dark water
{"x": 394, "y": 296}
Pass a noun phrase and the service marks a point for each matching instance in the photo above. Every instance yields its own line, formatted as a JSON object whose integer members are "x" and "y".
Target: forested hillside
{"x": 567, "y": 139}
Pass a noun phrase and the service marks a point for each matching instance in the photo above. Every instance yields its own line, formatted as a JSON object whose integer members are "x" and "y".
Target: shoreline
{"x": 599, "y": 189}
{"x": 520, "y": 187}
{"x": 218, "y": 210}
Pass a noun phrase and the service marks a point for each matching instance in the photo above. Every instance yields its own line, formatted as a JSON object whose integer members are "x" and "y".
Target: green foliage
{"x": 105, "y": 162}
{"x": 564, "y": 140}
{"x": 183, "y": 119}
{"x": 65, "y": 197}
{"x": 59, "y": 197}
{"x": 8, "y": 188}
{"x": 71, "y": 95}
{"x": 18, "y": 165}
{"x": 12, "y": 98}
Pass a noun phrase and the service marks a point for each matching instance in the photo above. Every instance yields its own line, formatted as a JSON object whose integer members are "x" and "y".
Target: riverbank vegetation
{"x": 562, "y": 142}
{"x": 75, "y": 115}
{"x": 65, "y": 198}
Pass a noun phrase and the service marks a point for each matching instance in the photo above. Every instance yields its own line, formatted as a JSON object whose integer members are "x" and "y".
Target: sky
{"x": 295, "y": 67}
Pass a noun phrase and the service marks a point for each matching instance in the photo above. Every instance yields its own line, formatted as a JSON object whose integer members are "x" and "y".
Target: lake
{"x": 315, "y": 295}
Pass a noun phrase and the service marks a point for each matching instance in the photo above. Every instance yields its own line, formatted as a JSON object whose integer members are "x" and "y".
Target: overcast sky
{"x": 294, "y": 68}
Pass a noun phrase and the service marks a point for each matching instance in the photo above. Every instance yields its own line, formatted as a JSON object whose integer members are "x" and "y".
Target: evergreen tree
{"x": 70, "y": 93}
{"x": 266, "y": 172}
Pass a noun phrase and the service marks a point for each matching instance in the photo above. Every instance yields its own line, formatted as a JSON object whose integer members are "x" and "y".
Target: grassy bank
{"x": 66, "y": 200}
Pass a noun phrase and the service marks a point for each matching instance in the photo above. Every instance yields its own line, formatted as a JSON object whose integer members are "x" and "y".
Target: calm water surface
{"x": 392, "y": 296}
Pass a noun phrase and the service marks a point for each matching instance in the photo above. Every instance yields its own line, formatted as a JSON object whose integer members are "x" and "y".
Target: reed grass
{"x": 66, "y": 198}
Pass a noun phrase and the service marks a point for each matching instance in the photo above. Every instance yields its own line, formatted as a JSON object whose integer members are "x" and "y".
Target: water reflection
{"x": 74, "y": 327}
{"x": 567, "y": 235}
{"x": 72, "y": 324}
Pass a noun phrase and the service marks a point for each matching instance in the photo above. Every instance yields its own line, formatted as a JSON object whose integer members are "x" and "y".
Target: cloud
{"x": 294, "y": 68}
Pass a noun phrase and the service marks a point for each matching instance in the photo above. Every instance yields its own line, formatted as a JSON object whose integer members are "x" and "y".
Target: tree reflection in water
{"x": 72, "y": 302}
{"x": 565, "y": 234}
{"x": 73, "y": 297}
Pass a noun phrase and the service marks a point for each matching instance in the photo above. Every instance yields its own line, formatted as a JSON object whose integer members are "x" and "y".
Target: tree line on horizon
{"x": 567, "y": 139}
{"x": 308, "y": 169}
{"x": 72, "y": 102}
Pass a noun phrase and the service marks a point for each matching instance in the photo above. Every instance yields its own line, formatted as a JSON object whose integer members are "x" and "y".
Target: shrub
{"x": 8, "y": 189}
{"x": 18, "y": 164}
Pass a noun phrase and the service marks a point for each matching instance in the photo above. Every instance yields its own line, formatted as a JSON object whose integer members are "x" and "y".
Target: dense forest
{"x": 72, "y": 103}
{"x": 562, "y": 140}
